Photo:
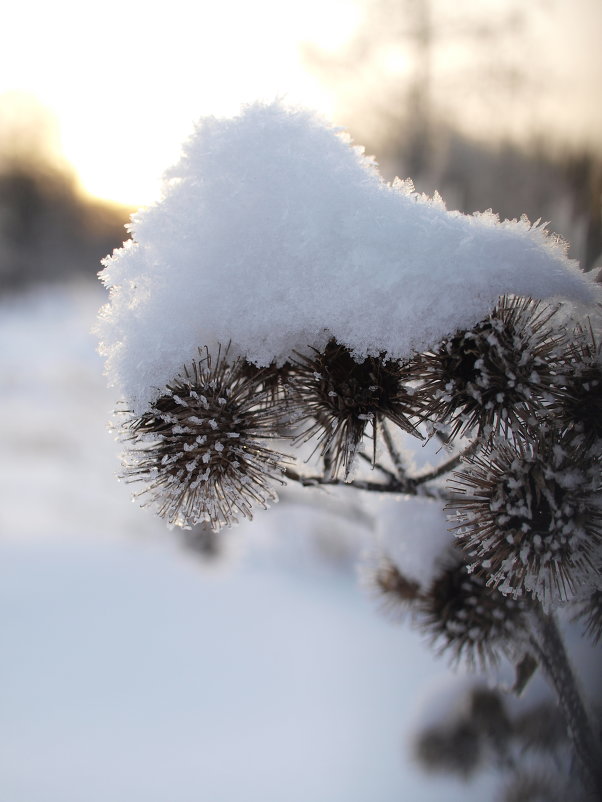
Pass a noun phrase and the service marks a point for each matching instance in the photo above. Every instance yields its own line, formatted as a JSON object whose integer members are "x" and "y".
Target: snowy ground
{"x": 134, "y": 669}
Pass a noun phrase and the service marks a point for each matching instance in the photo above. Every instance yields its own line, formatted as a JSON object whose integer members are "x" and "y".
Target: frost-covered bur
{"x": 462, "y": 616}
{"x": 201, "y": 448}
{"x": 424, "y": 577}
{"x": 492, "y": 379}
{"x": 468, "y": 619}
{"x": 529, "y": 517}
{"x": 577, "y": 389}
{"x": 337, "y": 397}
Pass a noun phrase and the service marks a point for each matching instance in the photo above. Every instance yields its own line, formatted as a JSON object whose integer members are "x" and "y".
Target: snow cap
{"x": 275, "y": 233}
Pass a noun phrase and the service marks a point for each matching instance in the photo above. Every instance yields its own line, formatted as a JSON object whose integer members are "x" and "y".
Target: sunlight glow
{"x": 128, "y": 81}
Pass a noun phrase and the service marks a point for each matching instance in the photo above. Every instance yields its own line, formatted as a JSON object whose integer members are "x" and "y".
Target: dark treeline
{"x": 48, "y": 230}
{"x": 560, "y": 187}
{"x": 463, "y": 62}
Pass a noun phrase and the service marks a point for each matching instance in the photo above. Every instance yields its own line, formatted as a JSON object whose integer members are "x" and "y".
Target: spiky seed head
{"x": 469, "y": 620}
{"x": 491, "y": 379}
{"x": 396, "y": 592}
{"x": 338, "y": 397}
{"x": 529, "y": 516}
{"x": 577, "y": 390}
{"x": 455, "y": 748}
{"x": 202, "y": 448}
{"x": 487, "y": 711}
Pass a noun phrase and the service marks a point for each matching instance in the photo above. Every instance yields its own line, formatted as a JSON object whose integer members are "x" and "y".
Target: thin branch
{"x": 448, "y": 465}
{"x": 401, "y": 487}
{"x": 378, "y": 466}
{"x": 393, "y": 452}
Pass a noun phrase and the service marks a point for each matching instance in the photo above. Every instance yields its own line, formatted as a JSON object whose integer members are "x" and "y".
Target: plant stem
{"x": 393, "y": 452}
{"x": 549, "y": 649}
{"x": 407, "y": 486}
{"x": 376, "y": 465}
{"x": 448, "y": 465}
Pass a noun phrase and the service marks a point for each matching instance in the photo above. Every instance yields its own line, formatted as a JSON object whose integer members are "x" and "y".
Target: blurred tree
{"x": 49, "y": 230}
{"x": 441, "y": 94}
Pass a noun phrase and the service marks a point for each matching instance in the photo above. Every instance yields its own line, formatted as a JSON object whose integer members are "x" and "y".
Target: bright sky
{"x": 126, "y": 79}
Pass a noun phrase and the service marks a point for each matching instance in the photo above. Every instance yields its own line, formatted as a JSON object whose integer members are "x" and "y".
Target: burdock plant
{"x": 529, "y": 516}
{"x": 471, "y": 621}
{"x": 491, "y": 379}
{"x": 382, "y": 317}
{"x": 577, "y": 389}
{"x": 204, "y": 448}
{"x": 338, "y": 398}
{"x": 524, "y": 497}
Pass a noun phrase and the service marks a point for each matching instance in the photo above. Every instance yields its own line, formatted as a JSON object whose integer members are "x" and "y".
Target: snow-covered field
{"x": 132, "y": 669}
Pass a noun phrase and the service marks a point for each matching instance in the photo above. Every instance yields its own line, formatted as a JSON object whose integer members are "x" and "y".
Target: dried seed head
{"x": 468, "y": 619}
{"x": 529, "y": 517}
{"x": 454, "y": 748}
{"x": 338, "y": 397}
{"x": 397, "y": 593}
{"x": 492, "y": 378}
{"x": 487, "y": 711}
{"x": 201, "y": 447}
{"x": 577, "y": 389}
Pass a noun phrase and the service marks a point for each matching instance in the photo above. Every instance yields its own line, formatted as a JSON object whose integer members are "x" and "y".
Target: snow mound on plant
{"x": 414, "y": 534}
{"x": 274, "y": 233}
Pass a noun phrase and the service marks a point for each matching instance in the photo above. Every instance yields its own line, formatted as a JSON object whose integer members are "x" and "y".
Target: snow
{"x": 414, "y": 534}
{"x": 274, "y": 233}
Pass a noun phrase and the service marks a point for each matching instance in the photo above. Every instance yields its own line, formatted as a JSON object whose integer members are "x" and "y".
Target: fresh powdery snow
{"x": 275, "y": 233}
